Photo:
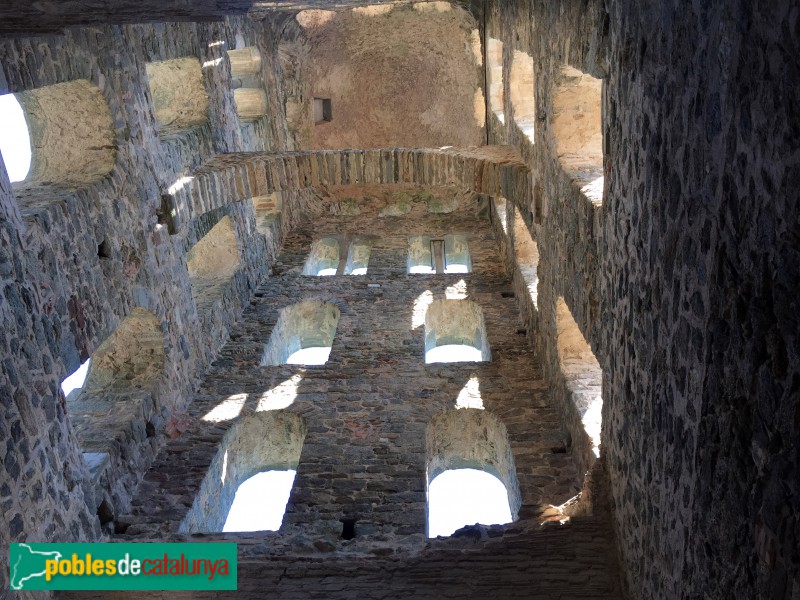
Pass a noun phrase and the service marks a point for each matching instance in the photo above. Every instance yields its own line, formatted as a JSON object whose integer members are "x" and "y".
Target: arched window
{"x": 249, "y": 481}
{"x": 582, "y": 373}
{"x": 470, "y": 472}
{"x": 527, "y": 254}
{"x": 578, "y": 129}
{"x": 323, "y": 260}
{"x": 455, "y": 332}
{"x": 420, "y": 257}
{"x": 303, "y": 334}
{"x": 523, "y": 99}
{"x": 456, "y": 254}
{"x": 112, "y": 393}
{"x": 213, "y": 263}
{"x": 358, "y": 258}
{"x": 58, "y": 136}
{"x": 248, "y": 94}
{"x": 494, "y": 64}
{"x": 179, "y": 96}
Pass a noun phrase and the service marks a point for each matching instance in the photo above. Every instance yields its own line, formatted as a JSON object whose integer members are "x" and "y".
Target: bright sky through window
{"x": 450, "y": 353}
{"x": 317, "y": 355}
{"x": 461, "y": 497}
{"x": 456, "y": 269}
{"x": 421, "y": 269}
{"x": 260, "y": 502}
{"x": 15, "y": 141}
{"x": 76, "y": 380}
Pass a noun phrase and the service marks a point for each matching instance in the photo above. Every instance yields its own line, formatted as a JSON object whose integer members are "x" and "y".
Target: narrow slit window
{"x": 260, "y": 502}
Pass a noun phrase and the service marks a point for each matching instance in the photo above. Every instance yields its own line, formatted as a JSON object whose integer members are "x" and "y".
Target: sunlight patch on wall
{"x": 281, "y": 396}
{"x": 228, "y": 409}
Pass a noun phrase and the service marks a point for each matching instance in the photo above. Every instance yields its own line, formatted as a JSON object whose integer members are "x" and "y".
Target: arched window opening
{"x": 212, "y": 264}
{"x": 455, "y": 332}
{"x": 527, "y": 255}
{"x": 461, "y": 497}
{"x": 358, "y": 258}
{"x": 470, "y": 472}
{"x": 494, "y": 64}
{"x": 112, "y": 398}
{"x": 578, "y": 129}
{"x": 582, "y": 373}
{"x": 323, "y": 260}
{"x": 420, "y": 256}
{"x": 179, "y": 96}
{"x": 248, "y": 89}
{"x": 248, "y": 483}
{"x": 523, "y": 99}
{"x": 59, "y": 136}
{"x": 309, "y": 326}
{"x": 15, "y": 141}
{"x": 260, "y": 502}
{"x": 456, "y": 254}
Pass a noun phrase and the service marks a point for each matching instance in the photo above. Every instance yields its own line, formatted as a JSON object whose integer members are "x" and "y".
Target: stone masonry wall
{"x": 681, "y": 275}
{"x": 76, "y": 262}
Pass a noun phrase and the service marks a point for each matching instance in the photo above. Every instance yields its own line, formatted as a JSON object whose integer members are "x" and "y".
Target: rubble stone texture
{"x": 628, "y": 204}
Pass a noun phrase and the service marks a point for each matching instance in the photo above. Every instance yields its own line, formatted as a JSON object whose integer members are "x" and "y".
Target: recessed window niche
{"x": 323, "y": 260}
{"x": 471, "y": 474}
{"x": 303, "y": 334}
{"x": 112, "y": 394}
{"x": 455, "y": 332}
{"x": 582, "y": 373}
{"x": 526, "y": 253}
{"x": 59, "y": 136}
{"x": 323, "y": 110}
{"x": 578, "y": 129}
{"x": 523, "y": 99}
{"x": 179, "y": 96}
{"x": 494, "y": 73}
{"x": 212, "y": 263}
{"x": 248, "y": 482}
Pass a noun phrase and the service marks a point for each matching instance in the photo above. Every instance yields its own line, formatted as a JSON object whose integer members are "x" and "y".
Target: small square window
{"x": 323, "y": 110}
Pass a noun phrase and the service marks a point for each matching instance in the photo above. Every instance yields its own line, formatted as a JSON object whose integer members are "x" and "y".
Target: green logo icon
{"x": 122, "y": 566}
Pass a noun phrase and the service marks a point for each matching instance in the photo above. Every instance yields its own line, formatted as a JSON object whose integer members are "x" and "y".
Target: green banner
{"x": 122, "y": 566}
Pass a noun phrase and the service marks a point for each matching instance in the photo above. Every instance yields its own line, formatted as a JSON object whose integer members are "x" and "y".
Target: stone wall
{"x": 80, "y": 256}
{"x": 679, "y": 269}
